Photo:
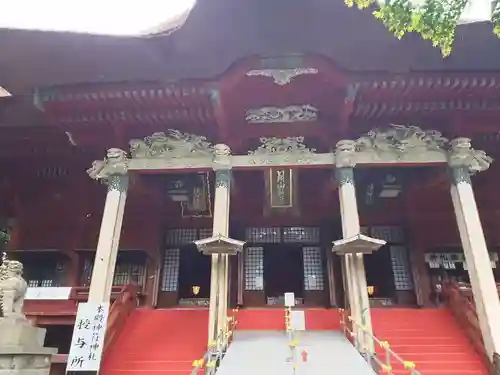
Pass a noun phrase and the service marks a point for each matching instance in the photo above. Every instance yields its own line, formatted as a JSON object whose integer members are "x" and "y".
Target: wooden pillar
{"x": 416, "y": 250}
{"x": 73, "y": 274}
{"x": 330, "y": 272}
{"x": 75, "y": 260}
{"x": 241, "y": 278}
{"x": 421, "y": 277}
{"x": 152, "y": 274}
{"x": 330, "y": 265}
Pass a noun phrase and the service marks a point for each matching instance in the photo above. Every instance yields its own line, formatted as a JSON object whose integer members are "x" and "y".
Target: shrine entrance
{"x": 283, "y": 273}
{"x": 194, "y": 277}
{"x": 279, "y": 260}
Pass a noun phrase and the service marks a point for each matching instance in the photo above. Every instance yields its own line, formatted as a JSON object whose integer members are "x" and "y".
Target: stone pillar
{"x": 113, "y": 170}
{"x": 465, "y": 161}
{"x": 353, "y": 264}
{"x": 347, "y": 264}
{"x": 214, "y": 289}
{"x": 220, "y": 262}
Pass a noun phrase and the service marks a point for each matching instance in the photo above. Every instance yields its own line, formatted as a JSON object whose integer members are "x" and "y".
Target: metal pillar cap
{"x": 219, "y": 244}
{"x": 358, "y": 244}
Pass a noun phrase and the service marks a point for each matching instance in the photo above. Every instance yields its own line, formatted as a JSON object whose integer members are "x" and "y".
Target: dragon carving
{"x": 401, "y": 139}
{"x": 172, "y": 144}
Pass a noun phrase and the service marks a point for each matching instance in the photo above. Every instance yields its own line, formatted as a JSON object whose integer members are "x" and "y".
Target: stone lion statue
{"x": 463, "y": 155}
{"x": 345, "y": 153}
{"x": 222, "y": 150}
{"x": 12, "y": 288}
{"x": 115, "y": 163}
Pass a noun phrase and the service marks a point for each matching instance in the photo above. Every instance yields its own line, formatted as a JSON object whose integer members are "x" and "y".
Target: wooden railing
{"x": 462, "y": 306}
{"x": 217, "y": 348}
{"x": 466, "y": 291}
{"x": 465, "y": 313}
{"x": 125, "y": 303}
{"x": 381, "y": 362}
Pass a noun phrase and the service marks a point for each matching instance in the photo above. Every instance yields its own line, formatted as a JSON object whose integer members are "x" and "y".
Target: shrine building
{"x": 254, "y": 150}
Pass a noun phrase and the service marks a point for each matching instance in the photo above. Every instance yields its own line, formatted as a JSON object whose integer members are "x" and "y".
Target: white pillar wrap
{"x": 354, "y": 264}
{"x": 109, "y": 238}
{"x": 477, "y": 258}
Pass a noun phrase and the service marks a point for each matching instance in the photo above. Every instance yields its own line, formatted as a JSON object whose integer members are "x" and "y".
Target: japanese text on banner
{"x": 88, "y": 337}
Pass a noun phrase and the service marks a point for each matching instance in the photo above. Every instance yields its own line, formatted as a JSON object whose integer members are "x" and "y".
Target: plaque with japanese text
{"x": 88, "y": 337}
{"x": 281, "y": 188}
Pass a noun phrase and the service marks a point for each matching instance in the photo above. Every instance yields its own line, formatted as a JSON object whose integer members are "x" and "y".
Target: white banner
{"x": 48, "y": 293}
{"x": 88, "y": 337}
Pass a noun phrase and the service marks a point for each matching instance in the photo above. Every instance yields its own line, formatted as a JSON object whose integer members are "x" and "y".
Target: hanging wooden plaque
{"x": 281, "y": 186}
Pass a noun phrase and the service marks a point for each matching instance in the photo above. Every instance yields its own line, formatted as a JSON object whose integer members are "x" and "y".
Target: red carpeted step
{"x": 158, "y": 342}
{"x": 322, "y": 319}
{"x": 148, "y": 366}
{"x": 273, "y": 319}
{"x": 430, "y": 338}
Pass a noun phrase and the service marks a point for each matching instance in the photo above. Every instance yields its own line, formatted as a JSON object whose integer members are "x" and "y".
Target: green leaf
{"x": 435, "y": 20}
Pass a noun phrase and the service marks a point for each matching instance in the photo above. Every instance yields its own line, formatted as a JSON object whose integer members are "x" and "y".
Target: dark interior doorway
{"x": 194, "y": 273}
{"x": 379, "y": 273}
{"x": 283, "y": 270}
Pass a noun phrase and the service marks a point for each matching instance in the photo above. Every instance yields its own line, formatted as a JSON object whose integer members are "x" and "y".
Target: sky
{"x": 115, "y": 17}
{"x": 126, "y": 17}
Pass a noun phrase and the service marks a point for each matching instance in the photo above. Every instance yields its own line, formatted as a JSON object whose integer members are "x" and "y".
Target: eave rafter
{"x": 139, "y": 103}
{"x": 426, "y": 93}
{"x": 441, "y": 82}
{"x": 371, "y": 110}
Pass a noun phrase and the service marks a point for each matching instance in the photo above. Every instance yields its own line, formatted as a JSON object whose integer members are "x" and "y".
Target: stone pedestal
{"x": 21, "y": 348}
